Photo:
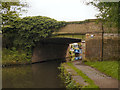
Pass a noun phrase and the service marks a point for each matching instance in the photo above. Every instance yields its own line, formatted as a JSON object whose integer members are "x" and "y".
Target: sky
{"x": 61, "y": 10}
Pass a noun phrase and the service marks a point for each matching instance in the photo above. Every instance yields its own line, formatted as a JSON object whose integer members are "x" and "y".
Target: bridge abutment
{"x": 49, "y": 51}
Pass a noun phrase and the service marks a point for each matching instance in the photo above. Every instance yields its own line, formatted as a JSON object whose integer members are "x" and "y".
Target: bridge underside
{"x": 52, "y": 48}
{"x": 60, "y": 40}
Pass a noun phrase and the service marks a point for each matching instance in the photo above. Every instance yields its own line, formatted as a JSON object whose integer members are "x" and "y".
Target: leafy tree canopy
{"x": 108, "y": 12}
{"x": 32, "y": 29}
{"x": 11, "y": 10}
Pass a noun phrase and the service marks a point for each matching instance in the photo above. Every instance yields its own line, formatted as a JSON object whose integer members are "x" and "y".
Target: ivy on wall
{"x": 29, "y": 30}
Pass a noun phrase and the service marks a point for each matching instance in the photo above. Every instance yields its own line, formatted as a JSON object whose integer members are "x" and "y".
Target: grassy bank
{"x": 17, "y": 77}
{"x": 13, "y": 56}
{"x": 110, "y": 68}
{"x": 70, "y": 83}
{"x": 67, "y": 78}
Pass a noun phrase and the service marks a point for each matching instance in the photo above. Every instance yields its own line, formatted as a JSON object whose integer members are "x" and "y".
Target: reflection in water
{"x": 42, "y": 75}
{"x": 75, "y": 58}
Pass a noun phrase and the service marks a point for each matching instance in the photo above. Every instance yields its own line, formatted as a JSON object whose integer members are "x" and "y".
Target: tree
{"x": 32, "y": 29}
{"x": 109, "y": 12}
{"x": 108, "y": 15}
{"x": 11, "y": 10}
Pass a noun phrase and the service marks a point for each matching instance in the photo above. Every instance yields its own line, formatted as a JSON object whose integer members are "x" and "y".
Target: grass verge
{"x": 67, "y": 78}
{"x": 86, "y": 78}
{"x": 110, "y": 68}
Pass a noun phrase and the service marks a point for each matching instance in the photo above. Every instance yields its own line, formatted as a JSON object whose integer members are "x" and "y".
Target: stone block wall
{"x": 94, "y": 46}
{"x": 83, "y": 49}
{"x": 111, "y": 47}
{"x": 85, "y": 28}
{"x": 49, "y": 51}
{"x": 80, "y": 28}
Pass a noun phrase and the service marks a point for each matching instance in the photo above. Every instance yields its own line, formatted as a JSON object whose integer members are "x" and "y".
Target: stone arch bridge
{"x": 56, "y": 47}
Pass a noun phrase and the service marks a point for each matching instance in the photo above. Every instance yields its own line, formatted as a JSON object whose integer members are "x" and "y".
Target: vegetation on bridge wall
{"x": 23, "y": 34}
{"x": 76, "y": 36}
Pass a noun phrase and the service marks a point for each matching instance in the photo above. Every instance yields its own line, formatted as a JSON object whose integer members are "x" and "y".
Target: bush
{"x": 14, "y": 57}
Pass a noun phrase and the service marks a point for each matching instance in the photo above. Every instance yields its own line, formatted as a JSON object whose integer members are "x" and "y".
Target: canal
{"x": 40, "y": 75}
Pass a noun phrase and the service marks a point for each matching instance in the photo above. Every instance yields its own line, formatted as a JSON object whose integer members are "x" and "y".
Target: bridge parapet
{"x": 77, "y": 31}
{"x": 80, "y": 28}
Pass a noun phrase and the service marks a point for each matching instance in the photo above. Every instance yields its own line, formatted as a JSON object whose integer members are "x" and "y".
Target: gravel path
{"x": 99, "y": 78}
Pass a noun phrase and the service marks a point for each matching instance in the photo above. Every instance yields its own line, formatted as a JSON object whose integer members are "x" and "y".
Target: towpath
{"x": 100, "y": 79}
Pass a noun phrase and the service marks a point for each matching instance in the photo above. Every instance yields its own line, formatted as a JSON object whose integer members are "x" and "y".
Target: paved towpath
{"x": 99, "y": 78}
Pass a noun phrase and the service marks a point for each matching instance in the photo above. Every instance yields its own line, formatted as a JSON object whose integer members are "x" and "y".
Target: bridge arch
{"x": 52, "y": 48}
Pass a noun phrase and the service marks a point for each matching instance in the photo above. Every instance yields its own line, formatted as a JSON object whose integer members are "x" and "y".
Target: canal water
{"x": 40, "y": 75}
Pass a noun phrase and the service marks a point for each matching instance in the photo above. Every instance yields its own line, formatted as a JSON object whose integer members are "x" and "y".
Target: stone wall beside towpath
{"x": 94, "y": 46}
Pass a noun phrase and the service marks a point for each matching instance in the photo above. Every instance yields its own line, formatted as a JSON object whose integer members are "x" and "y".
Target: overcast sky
{"x": 61, "y": 10}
